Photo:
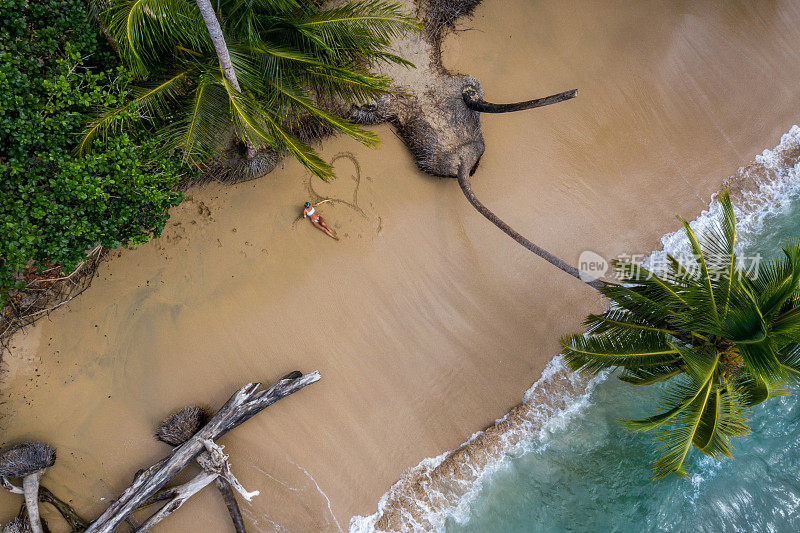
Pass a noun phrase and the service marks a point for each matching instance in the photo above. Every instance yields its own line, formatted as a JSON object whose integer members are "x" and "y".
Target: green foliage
{"x": 724, "y": 338}
{"x": 287, "y": 55}
{"x": 53, "y": 205}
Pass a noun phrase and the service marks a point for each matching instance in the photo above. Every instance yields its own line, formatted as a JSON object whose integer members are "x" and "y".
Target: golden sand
{"x": 426, "y": 322}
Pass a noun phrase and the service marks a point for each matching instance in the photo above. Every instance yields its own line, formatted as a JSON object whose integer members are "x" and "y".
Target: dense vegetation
{"x": 264, "y": 79}
{"x": 54, "y": 70}
{"x": 723, "y": 335}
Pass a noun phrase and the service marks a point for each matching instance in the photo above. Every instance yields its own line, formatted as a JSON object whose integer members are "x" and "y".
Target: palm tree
{"x": 473, "y": 100}
{"x": 223, "y": 55}
{"x": 723, "y": 338}
{"x": 254, "y": 68}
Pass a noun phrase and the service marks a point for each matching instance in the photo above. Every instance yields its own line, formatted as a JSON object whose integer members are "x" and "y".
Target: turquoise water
{"x": 592, "y": 475}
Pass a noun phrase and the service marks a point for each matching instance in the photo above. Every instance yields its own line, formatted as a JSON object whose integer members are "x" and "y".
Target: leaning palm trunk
{"x": 221, "y": 47}
{"x": 473, "y": 99}
{"x": 464, "y": 182}
{"x": 218, "y": 40}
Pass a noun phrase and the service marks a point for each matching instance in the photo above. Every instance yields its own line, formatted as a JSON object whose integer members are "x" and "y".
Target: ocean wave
{"x": 444, "y": 487}
{"x": 763, "y": 189}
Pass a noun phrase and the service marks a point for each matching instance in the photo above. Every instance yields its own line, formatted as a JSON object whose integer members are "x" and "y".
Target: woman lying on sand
{"x": 311, "y": 213}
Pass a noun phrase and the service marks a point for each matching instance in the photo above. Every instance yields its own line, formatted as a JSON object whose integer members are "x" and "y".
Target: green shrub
{"x": 54, "y": 70}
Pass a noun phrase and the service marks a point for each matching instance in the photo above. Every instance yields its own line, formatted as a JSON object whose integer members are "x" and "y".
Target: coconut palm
{"x": 259, "y": 69}
{"x": 722, "y": 337}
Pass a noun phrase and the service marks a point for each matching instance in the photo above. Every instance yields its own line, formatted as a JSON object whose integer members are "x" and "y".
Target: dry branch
{"x": 230, "y": 502}
{"x": 42, "y": 294}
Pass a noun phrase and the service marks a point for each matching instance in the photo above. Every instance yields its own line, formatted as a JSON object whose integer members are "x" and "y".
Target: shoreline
{"x": 444, "y": 487}
{"x": 456, "y": 321}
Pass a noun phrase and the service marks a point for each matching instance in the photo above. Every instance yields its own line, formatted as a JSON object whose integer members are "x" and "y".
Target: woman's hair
{"x": 308, "y": 204}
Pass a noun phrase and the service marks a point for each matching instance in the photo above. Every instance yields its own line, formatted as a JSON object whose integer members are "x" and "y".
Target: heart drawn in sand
{"x": 341, "y": 190}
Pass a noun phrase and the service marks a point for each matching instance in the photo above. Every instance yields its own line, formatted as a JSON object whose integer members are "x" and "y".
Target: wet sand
{"x": 425, "y": 321}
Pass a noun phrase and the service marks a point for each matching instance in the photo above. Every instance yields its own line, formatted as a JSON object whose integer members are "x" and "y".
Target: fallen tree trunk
{"x": 74, "y": 520}
{"x": 215, "y": 464}
{"x": 243, "y": 405}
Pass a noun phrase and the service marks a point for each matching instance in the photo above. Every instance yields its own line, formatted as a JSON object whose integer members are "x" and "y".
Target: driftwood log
{"x": 215, "y": 468}
{"x": 180, "y": 493}
{"x": 180, "y": 427}
{"x": 75, "y": 521}
{"x": 243, "y": 405}
{"x": 230, "y": 503}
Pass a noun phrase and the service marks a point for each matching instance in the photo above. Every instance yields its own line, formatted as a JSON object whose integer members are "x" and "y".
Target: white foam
{"x": 542, "y": 420}
{"x": 771, "y": 183}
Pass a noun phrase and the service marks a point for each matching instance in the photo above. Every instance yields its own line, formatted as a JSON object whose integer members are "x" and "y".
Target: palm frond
{"x": 349, "y": 85}
{"x": 205, "y": 125}
{"x": 778, "y": 280}
{"x": 637, "y": 300}
{"x": 789, "y": 359}
{"x": 363, "y": 136}
{"x": 148, "y": 102}
{"x": 651, "y": 374}
{"x": 656, "y": 288}
{"x": 755, "y": 390}
{"x": 624, "y": 325}
{"x": 725, "y": 416}
{"x": 362, "y": 26}
{"x": 593, "y": 353}
{"x": 761, "y": 359}
{"x": 683, "y": 425}
{"x": 258, "y": 125}
{"x": 707, "y": 298}
{"x": 146, "y": 29}
{"x": 697, "y": 411}
{"x": 675, "y": 400}
{"x": 744, "y": 323}
{"x": 786, "y": 326}
{"x": 720, "y": 241}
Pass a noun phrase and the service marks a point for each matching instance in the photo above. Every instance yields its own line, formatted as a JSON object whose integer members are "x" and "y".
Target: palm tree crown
{"x": 287, "y": 56}
{"x": 724, "y": 337}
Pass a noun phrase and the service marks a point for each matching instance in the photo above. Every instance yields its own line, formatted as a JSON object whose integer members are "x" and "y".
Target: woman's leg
{"x": 324, "y": 228}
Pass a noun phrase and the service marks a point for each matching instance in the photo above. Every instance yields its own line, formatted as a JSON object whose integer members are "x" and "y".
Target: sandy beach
{"x": 426, "y": 322}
